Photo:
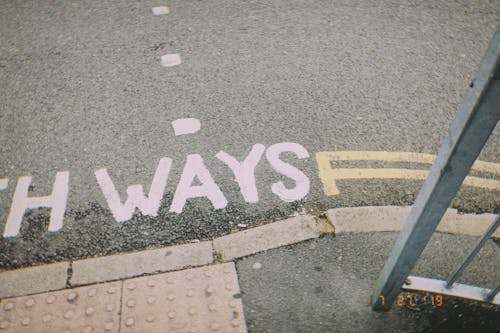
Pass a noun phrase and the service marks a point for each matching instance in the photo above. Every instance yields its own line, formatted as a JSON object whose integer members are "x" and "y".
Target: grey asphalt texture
{"x": 82, "y": 89}
{"x": 325, "y": 285}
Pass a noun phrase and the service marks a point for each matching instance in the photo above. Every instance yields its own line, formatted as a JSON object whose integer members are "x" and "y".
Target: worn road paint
{"x": 244, "y": 172}
{"x": 186, "y": 126}
{"x": 20, "y": 202}
{"x": 386, "y": 156}
{"x": 161, "y": 10}
{"x": 303, "y": 183}
{"x": 169, "y": 60}
{"x": 329, "y": 175}
{"x": 135, "y": 193}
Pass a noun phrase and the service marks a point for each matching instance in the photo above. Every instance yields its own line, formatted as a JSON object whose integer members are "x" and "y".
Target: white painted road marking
{"x": 169, "y": 60}
{"x": 186, "y": 126}
{"x": 20, "y": 202}
{"x": 4, "y": 183}
{"x": 244, "y": 175}
{"x": 161, "y": 10}
{"x": 303, "y": 183}
{"x": 195, "y": 168}
{"x": 244, "y": 172}
{"x": 135, "y": 193}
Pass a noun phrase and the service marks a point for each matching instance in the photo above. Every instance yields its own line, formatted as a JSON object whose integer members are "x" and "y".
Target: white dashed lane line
{"x": 186, "y": 126}
{"x": 161, "y": 10}
{"x": 170, "y": 60}
{"x": 167, "y": 60}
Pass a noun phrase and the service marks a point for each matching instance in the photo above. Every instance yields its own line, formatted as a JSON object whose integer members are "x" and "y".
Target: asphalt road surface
{"x": 324, "y": 285}
{"x": 85, "y": 99}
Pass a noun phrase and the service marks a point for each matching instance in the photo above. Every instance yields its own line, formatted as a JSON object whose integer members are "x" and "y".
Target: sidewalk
{"x": 292, "y": 275}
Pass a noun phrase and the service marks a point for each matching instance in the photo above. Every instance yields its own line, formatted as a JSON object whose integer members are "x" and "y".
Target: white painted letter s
{"x": 303, "y": 183}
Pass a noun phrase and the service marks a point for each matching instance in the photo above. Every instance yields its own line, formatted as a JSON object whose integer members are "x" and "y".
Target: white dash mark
{"x": 169, "y": 60}
{"x": 186, "y": 126}
{"x": 162, "y": 10}
{"x": 4, "y": 183}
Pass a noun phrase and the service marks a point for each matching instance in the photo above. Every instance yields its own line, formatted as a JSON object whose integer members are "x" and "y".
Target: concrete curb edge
{"x": 226, "y": 248}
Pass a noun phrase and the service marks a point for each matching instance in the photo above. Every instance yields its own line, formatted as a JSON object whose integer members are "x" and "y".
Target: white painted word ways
{"x": 194, "y": 167}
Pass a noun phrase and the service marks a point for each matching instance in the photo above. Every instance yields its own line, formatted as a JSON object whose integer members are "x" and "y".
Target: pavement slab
{"x": 195, "y": 300}
{"x": 392, "y": 218}
{"x": 33, "y": 279}
{"x": 273, "y": 235}
{"x": 86, "y": 309}
{"x": 318, "y": 285}
{"x": 134, "y": 264}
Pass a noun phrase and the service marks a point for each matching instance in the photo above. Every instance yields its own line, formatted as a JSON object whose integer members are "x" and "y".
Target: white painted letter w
{"x": 135, "y": 193}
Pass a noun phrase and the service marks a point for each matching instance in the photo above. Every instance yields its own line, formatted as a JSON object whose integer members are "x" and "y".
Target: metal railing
{"x": 476, "y": 118}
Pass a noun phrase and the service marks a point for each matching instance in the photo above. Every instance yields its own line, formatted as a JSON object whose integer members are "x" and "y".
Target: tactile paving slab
{"x": 205, "y": 299}
{"x": 89, "y": 309}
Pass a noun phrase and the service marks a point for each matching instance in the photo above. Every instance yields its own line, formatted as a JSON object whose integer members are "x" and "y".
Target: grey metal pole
{"x": 474, "y": 251}
{"x": 476, "y": 118}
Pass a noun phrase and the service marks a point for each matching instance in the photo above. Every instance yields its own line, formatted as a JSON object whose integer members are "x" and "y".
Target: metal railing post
{"x": 476, "y": 118}
{"x": 492, "y": 294}
{"x": 474, "y": 251}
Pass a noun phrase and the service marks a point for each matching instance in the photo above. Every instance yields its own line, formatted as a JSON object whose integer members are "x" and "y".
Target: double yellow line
{"x": 329, "y": 175}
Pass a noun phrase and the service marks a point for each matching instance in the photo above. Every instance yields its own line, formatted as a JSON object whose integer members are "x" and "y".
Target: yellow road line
{"x": 328, "y": 175}
{"x": 400, "y": 157}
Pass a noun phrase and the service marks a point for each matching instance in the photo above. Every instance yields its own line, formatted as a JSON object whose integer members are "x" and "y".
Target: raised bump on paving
{"x": 84, "y": 309}
{"x": 205, "y": 299}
